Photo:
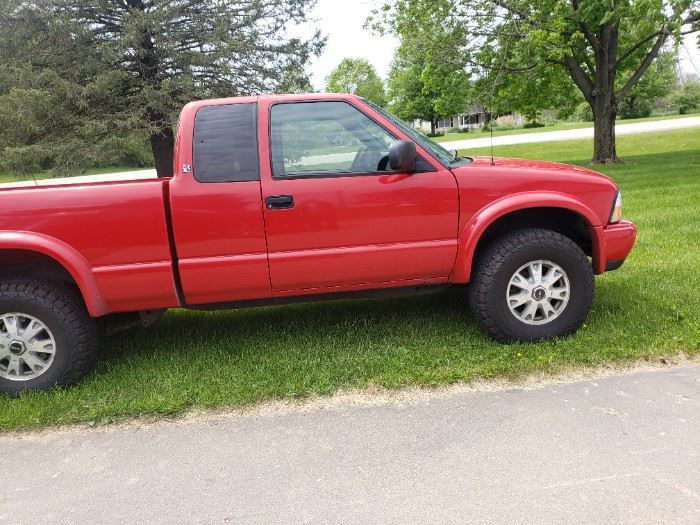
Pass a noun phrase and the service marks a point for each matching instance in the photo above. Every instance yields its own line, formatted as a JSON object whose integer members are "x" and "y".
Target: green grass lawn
{"x": 557, "y": 126}
{"x": 647, "y": 309}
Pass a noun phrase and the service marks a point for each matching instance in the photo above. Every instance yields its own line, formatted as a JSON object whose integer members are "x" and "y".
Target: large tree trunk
{"x": 162, "y": 146}
{"x": 604, "y": 115}
{"x": 603, "y": 100}
{"x": 432, "y": 126}
{"x": 597, "y": 84}
{"x": 162, "y": 137}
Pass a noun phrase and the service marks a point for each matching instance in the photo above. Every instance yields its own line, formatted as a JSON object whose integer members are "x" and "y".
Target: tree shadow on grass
{"x": 340, "y": 320}
{"x": 344, "y": 325}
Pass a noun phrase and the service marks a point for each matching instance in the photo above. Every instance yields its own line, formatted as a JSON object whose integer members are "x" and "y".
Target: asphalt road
{"x": 573, "y": 134}
{"x": 621, "y": 449}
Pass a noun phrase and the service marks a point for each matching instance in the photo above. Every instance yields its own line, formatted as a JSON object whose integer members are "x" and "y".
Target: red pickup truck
{"x": 277, "y": 199}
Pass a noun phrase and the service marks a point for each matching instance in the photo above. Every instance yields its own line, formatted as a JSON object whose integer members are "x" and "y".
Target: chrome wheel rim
{"x": 27, "y": 347}
{"x": 538, "y": 292}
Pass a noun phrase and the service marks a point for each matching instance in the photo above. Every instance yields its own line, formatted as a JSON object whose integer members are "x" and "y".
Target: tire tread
{"x": 65, "y": 304}
{"x": 491, "y": 261}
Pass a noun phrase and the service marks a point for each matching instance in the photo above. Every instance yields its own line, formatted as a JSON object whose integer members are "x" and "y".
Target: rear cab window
{"x": 225, "y": 145}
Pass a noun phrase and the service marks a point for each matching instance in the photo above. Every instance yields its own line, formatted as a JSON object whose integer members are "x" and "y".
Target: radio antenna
{"x": 491, "y": 129}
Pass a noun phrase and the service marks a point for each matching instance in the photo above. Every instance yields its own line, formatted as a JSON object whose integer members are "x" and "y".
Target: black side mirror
{"x": 402, "y": 155}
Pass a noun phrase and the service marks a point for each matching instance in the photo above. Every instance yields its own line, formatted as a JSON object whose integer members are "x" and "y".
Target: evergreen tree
{"x": 93, "y": 69}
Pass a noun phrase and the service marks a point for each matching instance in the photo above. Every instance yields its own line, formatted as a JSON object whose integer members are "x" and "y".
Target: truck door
{"x": 336, "y": 217}
{"x": 216, "y": 206}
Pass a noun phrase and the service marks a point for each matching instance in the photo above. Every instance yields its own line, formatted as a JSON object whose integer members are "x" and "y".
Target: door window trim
{"x": 330, "y": 174}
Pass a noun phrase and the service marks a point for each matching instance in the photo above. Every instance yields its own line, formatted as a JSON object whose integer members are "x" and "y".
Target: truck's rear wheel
{"x": 47, "y": 337}
{"x": 531, "y": 285}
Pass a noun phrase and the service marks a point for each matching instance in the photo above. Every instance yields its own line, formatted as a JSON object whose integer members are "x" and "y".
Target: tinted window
{"x": 324, "y": 138}
{"x": 225, "y": 144}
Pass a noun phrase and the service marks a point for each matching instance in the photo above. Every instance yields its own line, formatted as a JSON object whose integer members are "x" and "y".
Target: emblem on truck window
{"x": 186, "y": 168}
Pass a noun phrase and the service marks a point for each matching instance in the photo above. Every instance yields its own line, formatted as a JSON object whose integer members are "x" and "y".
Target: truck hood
{"x": 523, "y": 167}
{"x": 482, "y": 183}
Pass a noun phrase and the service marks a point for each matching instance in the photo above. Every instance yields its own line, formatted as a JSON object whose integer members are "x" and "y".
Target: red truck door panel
{"x": 217, "y": 210}
{"x": 335, "y": 219}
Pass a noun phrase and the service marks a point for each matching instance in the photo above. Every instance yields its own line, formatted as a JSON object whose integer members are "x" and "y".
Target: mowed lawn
{"x": 646, "y": 310}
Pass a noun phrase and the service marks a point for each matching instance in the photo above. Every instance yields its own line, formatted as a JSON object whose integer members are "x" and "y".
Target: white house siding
{"x": 468, "y": 121}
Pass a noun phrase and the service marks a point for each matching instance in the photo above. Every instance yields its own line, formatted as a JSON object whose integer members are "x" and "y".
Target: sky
{"x": 690, "y": 55}
{"x": 342, "y": 21}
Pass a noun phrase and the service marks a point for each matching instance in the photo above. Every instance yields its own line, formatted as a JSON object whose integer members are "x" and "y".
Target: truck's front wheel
{"x": 531, "y": 285}
{"x": 47, "y": 337}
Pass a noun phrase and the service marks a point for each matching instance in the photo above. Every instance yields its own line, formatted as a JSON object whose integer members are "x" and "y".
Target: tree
{"x": 410, "y": 100}
{"x": 604, "y": 47}
{"x": 429, "y": 78}
{"x": 417, "y": 92}
{"x": 133, "y": 63}
{"x": 659, "y": 81}
{"x": 357, "y": 76}
{"x": 542, "y": 88}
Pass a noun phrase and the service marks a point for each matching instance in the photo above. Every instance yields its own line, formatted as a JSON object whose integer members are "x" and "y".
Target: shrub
{"x": 635, "y": 108}
{"x": 25, "y": 160}
{"x": 496, "y": 127}
{"x": 584, "y": 112}
{"x": 132, "y": 150}
{"x": 73, "y": 157}
{"x": 687, "y": 98}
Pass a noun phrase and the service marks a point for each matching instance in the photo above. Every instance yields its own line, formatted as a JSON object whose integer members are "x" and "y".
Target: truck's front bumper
{"x": 618, "y": 241}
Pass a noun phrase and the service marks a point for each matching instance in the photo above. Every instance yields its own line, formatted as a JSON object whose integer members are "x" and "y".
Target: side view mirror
{"x": 402, "y": 155}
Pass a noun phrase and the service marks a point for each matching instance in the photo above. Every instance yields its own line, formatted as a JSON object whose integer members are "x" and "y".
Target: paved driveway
{"x": 622, "y": 449}
{"x": 573, "y": 134}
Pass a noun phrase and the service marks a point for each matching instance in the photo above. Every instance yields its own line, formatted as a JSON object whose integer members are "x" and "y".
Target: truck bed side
{"x": 116, "y": 232}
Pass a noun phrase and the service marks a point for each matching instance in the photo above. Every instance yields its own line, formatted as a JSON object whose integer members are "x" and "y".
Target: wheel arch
{"x": 555, "y": 211}
{"x": 21, "y": 253}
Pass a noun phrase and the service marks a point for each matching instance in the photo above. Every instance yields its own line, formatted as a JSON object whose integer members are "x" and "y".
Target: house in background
{"x": 473, "y": 119}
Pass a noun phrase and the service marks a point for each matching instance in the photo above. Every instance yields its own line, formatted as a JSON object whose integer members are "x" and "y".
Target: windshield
{"x": 437, "y": 151}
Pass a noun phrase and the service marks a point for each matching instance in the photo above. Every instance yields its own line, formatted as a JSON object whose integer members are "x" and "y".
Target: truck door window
{"x": 326, "y": 138}
{"x": 225, "y": 146}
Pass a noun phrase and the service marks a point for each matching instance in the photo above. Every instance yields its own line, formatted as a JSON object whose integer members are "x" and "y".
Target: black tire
{"x": 63, "y": 312}
{"x": 502, "y": 259}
